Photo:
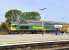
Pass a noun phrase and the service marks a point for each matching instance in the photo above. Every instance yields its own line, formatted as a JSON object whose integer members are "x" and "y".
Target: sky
{"x": 57, "y": 10}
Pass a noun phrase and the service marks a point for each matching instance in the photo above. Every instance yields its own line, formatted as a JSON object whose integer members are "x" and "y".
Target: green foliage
{"x": 31, "y": 15}
{"x": 16, "y": 16}
{"x": 12, "y": 15}
{"x": 4, "y": 26}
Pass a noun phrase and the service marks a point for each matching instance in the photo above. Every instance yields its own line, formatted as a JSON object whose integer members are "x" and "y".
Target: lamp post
{"x": 42, "y": 20}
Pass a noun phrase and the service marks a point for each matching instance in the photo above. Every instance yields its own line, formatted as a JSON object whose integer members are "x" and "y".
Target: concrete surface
{"x": 17, "y": 39}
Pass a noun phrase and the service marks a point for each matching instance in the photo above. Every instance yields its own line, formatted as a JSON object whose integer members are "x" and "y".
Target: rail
{"x": 39, "y": 46}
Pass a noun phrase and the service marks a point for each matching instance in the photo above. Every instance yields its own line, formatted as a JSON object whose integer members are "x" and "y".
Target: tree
{"x": 4, "y": 27}
{"x": 0, "y": 27}
{"x": 13, "y": 15}
{"x": 31, "y": 15}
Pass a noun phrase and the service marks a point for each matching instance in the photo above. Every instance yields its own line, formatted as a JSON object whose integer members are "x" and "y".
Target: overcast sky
{"x": 57, "y": 10}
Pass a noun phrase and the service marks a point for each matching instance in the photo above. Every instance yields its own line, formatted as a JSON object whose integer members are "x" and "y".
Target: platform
{"x": 18, "y": 39}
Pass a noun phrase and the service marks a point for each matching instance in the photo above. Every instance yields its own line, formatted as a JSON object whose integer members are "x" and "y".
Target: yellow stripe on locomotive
{"x": 35, "y": 27}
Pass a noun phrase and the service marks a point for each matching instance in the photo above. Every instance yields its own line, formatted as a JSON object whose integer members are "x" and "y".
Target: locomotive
{"x": 33, "y": 28}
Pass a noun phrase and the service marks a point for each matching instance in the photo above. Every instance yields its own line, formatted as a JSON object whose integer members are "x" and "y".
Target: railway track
{"x": 39, "y": 46}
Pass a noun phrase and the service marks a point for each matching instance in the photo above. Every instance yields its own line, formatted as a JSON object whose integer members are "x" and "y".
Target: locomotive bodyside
{"x": 30, "y": 28}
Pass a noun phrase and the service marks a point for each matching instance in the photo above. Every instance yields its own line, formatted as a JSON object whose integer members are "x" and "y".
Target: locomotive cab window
{"x": 13, "y": 25}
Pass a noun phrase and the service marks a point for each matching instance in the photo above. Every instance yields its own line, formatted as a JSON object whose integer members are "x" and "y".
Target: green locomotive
{"x": 30, "y": 28}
